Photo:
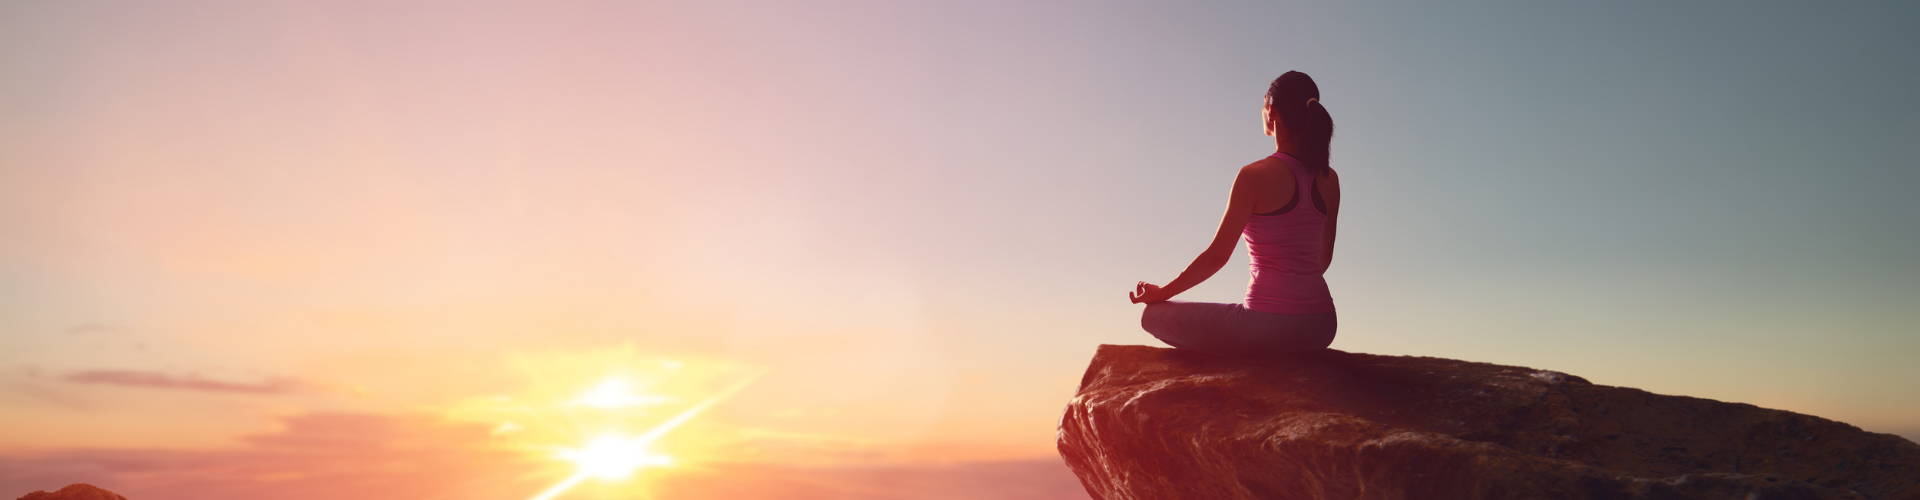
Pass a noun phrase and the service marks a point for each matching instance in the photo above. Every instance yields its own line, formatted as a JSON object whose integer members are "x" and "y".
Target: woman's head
{"x": 1293, "y": 108}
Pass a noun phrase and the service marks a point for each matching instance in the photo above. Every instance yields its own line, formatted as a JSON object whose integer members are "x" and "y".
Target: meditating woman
{"x": 1285, "y": 206}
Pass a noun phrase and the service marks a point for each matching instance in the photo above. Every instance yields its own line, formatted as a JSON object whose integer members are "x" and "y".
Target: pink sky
{"x": 309, "y": 250}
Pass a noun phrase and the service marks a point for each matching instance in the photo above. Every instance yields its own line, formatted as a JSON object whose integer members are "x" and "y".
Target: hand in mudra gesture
{"x": 1146, "y": 293}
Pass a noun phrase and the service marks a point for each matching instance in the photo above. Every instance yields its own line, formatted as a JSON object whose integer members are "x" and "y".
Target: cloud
{"x": 331, "y": 455}
{"x": 157, "y": 380}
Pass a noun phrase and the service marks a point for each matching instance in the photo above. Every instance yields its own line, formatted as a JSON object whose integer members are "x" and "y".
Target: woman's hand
{"x": 1147, "y": 293}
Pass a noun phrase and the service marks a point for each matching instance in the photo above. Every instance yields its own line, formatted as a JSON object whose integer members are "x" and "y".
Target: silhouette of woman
{"x": 1285, "y": 206}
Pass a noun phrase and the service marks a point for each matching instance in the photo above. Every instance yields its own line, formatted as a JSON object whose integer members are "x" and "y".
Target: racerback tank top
{"x": 1284, "y": 249}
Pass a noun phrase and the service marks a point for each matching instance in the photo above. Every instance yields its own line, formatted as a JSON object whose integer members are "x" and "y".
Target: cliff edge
{"x": 1156, "y": 423}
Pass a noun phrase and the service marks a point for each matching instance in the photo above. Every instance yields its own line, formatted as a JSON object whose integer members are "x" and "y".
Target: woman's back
{"x": 1287, "y": 208}
{"x": 1287, "y": 247}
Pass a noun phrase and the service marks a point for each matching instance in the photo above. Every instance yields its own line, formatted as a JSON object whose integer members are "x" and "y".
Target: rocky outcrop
{"x": 75, "y": 491}
{"x": 1153, "y": 424}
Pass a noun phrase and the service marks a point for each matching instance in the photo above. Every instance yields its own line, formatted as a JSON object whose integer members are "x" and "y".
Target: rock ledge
{"x": 1156, "y": 423}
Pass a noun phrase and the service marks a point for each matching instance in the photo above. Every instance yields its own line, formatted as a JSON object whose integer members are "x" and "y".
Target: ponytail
{"x": 1296, "y": 99}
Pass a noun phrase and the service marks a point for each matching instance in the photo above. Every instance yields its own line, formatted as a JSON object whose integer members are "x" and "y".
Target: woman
{"x": 1285, "y": 206}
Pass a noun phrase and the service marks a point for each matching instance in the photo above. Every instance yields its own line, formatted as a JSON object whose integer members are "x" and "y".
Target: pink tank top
{"x": 1284, "y": 247}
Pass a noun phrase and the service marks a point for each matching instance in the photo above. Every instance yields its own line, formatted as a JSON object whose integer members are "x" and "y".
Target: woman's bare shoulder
{"x": 1264, "y": 167}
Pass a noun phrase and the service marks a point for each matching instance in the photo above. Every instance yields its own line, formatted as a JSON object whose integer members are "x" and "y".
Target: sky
{"x": 257, "y": 246}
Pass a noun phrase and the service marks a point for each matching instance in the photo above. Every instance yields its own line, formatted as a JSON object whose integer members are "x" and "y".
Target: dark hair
{"x": 1309, "y": 126}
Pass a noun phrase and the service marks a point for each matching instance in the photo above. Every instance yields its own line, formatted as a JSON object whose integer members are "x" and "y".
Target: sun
{"x": 613, "y": 456}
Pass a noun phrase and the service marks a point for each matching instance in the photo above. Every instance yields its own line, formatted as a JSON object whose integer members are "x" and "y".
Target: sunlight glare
{"x": 612, "y": 456}
{"x": 616, "y": 456}
{"x": 615, "y": 392}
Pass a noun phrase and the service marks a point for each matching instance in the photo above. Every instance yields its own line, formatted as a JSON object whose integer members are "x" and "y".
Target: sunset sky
{"x": 323, "y": 247}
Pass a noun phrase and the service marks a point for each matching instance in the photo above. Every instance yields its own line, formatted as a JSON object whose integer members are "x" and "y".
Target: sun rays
{"x": 615, "y": 456}
{"x": 608, "y": 416}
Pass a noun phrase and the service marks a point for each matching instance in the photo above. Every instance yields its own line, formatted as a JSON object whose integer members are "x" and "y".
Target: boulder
{"x": 1153, "y": 423}
{"x": 75, "y": 491}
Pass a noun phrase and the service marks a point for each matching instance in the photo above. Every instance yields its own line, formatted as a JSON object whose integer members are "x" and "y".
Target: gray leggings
{"x": 1234, "y": 330}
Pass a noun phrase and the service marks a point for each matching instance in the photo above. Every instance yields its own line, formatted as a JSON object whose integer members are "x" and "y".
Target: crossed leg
{"x": 1233, "y": 330}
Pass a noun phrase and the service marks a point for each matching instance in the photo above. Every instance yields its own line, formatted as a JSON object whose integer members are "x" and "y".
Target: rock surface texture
{"x": 75, "y": 491}
{"x": 1153, "y": 423}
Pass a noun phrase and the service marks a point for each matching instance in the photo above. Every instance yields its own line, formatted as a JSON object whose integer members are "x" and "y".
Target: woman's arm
{"x": 1333, "y": 220}
{"x": 1240, "y": 203}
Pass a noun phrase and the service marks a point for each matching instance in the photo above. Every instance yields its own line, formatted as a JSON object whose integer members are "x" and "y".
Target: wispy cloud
{"x": 157, "y": 380}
